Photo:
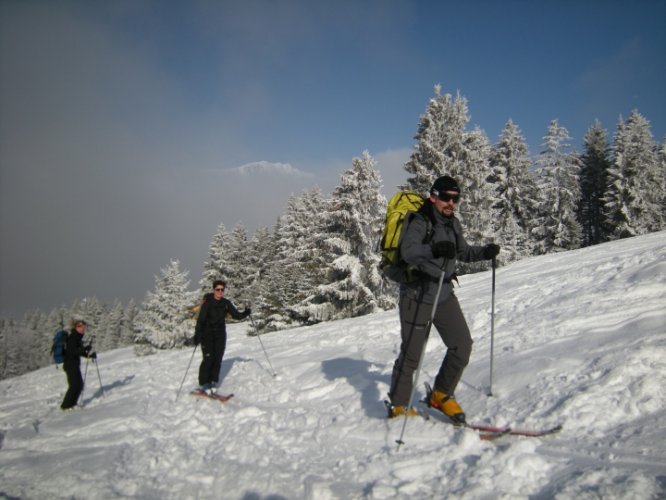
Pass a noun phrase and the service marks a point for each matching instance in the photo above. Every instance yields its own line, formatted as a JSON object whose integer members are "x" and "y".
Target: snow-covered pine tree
{"x": 516, "y": 194}
{"x": 92, "y": 311}
{"x": 353, "y": 224}
{"x": 164, "y": 320}
{"x": 662, "y": 178}
{"x": 217, "y": 265}
{"x": 261, "y": 254}
{"x": 558, "y": 178}
{"x": 268, "y": 308}
{"x": 109, "y": 336}
{"x": 13, "y": 350}
{"x": 4, "y": 343}
{"x": 476, "y": 209}
{"x": 633, "y": 202}
{"x": 238, "y": 275}
{"x": 127, "y": 328}
{"x": 299, "y": 263}
{"x": 595, "y": 163}
{"x": 35, "y": 342}
{"x": 439, "y": 142}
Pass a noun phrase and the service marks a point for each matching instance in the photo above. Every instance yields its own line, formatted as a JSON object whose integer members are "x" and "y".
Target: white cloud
{"x": 263, "y": 167}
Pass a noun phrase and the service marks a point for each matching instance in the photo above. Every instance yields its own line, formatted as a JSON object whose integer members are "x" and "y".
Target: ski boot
{"x": 447, "y": 405}
{"x": 397, "y": 411}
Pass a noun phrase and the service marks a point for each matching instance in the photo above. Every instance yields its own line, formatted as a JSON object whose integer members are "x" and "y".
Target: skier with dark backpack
{"x": 74, "y": 351}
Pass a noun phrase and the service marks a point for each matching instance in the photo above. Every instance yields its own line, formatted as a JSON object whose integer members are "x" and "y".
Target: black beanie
{"x": 443, "y": 184}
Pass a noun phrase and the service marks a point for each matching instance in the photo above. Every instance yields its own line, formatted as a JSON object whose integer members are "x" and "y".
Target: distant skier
{"x": 211, "y": 333}
{"x": 431, "y": 256}
{"x": 74, "y": 351}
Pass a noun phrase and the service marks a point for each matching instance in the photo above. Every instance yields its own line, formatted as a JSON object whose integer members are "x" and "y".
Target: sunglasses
{"x": 219, "y": 289}
{"x": 455, "y": 198}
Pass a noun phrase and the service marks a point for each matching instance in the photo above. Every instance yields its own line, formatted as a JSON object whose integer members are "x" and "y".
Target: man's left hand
{"x": 490, "y": 251}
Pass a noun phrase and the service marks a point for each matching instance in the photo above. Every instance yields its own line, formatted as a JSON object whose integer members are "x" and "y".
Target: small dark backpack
{"x": 58, "y": 346}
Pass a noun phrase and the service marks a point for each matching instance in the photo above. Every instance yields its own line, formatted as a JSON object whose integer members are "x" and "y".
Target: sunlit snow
{"x": 579, "y": 341}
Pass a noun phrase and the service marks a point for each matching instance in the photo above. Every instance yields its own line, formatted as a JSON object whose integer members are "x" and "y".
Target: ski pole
{"x": 101, "y": 387}
{"x": 90, "y": 348}
{"x": 423, "y": 350}
{"x": 85, "y": 374}
{"x": 492, "y": 329}
{"x": 262, "y": 346}
{"x": 187, "y": 370}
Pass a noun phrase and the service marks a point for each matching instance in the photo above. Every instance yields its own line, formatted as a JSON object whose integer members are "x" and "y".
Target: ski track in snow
{"x": 579, "y": 340}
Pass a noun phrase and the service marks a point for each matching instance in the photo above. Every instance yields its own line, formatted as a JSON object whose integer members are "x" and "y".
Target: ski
{"x": 484, "y": 433}
{"x": 493, "y": 430}
{"x": 222, "y": 398}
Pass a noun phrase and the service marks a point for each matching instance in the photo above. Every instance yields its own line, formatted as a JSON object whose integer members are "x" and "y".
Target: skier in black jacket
{"x": 74, "y": 351}
{"x": 211, "y": 333}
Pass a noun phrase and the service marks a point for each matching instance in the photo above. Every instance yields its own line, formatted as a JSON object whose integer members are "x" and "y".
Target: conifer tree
{"x": 129, "y": 316}
{"x": 299, "y": 262}
{"x": 439, "y": 142}
{"x": 268, "y": 311}
{"x": 13, "y": 348}
{"x": 217, "y": 265}
{"x": 633, "y": 201}
{"x": 595, "y": 163}
{"x": 558, "y": 176}
{"x": 110, "y": 330}
{"x": 353, "y": 223}
{"x": 516, "y": 194}
{"x": 238, "y": 274}
{"x": 34, "y": 341}
{"x": 261, "y": 254}
{"x": 476, "y": 209}
{"x": 662, "y": 174}
{"x": 4, "y": 346}
{"x": 164, "y": 320}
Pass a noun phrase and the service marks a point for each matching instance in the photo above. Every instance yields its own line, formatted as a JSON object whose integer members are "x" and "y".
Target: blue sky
{"x": 124, "y": 124}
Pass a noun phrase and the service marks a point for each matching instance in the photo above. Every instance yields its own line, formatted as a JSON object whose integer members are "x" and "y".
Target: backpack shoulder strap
{"x": 426, "y": 212}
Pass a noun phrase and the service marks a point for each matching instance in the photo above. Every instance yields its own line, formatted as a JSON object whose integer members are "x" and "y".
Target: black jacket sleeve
{"x": 201, "y": 319}
{"x": 234, "y": 312}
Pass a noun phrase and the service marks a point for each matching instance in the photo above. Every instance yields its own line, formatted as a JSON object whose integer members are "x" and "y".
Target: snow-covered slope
{"x": 579, "y": 341}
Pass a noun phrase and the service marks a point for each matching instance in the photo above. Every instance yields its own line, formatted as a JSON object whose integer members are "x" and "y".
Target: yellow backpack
{"x": 400, "y": 207}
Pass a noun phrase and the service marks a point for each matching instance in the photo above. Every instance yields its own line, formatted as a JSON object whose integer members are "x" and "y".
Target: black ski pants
{"x": 450, "y": 323}
{"x": 74, "y": 386}
{"x": 213, "y": 345}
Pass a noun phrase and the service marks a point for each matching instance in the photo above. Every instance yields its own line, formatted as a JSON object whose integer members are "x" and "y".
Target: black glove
{"x": 196, "y": 339}
{"x": 86, "y": 349}
{"x": 490, "y": 251}
{"x": 93, "y": 355}
{"x": 446, "y": 249}
{"x": 247, "y": 312}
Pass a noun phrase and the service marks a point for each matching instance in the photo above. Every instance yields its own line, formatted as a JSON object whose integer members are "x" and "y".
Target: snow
{"x": 579, "y": 341}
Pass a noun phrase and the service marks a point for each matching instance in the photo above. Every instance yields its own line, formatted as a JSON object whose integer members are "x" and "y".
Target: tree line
{"x": 319, "y": 262}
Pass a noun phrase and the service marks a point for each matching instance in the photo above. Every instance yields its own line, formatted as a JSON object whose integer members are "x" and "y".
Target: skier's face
{"x": 218, "y": 291}
{"x": 80, "y": 328}
{"x": 446, "y": 205}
